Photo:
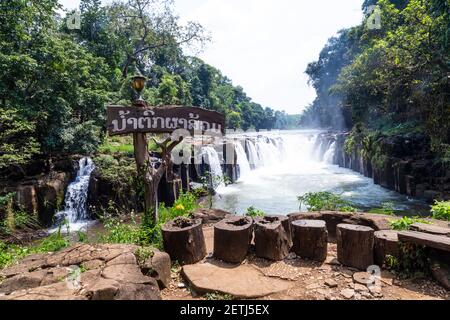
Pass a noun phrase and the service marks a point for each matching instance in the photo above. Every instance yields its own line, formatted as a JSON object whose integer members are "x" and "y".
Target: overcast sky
{"x": 265, "y": 45}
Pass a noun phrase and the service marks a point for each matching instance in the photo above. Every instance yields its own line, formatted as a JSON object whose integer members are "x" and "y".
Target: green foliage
{"x": 387, "y": 208}
{"x": 441, "y": 210}
{"x": 412, "y": 261}
{"x": 17, "y": 145}
{"x": 392, "y": 80}
{"x": 325, "y": 201}
{"x": 148, "y": 232}
{"x": 12, "y": 253}
{"x": 405, "y": 222}
{"x": 253, "y": 212}
{"x": 118, "y": 231}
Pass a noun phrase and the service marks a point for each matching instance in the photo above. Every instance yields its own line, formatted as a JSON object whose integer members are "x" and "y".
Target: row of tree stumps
{"x": 273, "y": 237}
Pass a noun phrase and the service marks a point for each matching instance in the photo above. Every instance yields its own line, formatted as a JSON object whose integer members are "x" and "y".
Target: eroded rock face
{"x": 87, "y": 272}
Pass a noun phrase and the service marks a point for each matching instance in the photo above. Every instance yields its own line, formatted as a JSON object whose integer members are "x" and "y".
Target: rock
{"x": 210, "y": 215}
{"x": 363, "y": 278}
{"x": 440, "y": 271}
{"x": 112, "y": 273}
{"x": 50, "y": 195}
{"x": 361, "y": 288}
{"x": 347, "y": 293}
{"x": 158, "y": 266}
{"x": 243, "y": 281}
{"x": 331, "y": 283}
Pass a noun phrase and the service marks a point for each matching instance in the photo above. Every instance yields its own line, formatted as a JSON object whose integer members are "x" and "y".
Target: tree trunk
{"x": 271, "y": 239}
{"x": 145, "y": 173}
{"x": 232, "y": 238}
{"x": 386, "y": 244}
{"x": 355, "y": 246}
{"x": 184, "y": 240}
{"x": 310, "y": 239}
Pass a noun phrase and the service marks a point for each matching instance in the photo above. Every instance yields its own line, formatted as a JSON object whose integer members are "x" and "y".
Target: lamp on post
{"x": 138, "y": 84}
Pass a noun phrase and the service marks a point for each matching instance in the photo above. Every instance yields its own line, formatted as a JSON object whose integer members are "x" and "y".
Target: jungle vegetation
{"x": 55, "y": 82}
{"x": 393, "y": 80}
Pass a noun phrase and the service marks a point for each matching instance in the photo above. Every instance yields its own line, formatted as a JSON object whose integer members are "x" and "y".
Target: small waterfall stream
{"x": 212, "y": 158}
{"x": 75, "y": 210}
{"x": 253, "y": 157}
{"x": 242, "y": 161}
{"x": 329, "y": 155}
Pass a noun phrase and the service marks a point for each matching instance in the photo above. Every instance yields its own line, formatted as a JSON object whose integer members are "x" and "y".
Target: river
{"x": 294, "y": 168}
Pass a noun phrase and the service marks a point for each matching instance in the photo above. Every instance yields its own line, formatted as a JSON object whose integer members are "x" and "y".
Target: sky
{"x": 265, "y": 45}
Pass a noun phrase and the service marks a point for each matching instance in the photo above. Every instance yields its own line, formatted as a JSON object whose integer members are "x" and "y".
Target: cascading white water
{"x": 253, "y": 157}
{"x": 289, "y": 165}
{"x": 212, "y": 158}
{"x": 267, "y": 152}
{"x": 328, "y": 158}
{"x": 242, "y": 161}
{"x": 75, "y": 209}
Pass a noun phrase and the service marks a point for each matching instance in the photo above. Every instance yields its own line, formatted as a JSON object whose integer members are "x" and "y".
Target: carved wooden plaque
{"x": 165, "y": 119}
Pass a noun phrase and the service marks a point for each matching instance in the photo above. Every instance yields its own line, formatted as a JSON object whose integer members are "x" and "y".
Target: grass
{"x": 147, "y": 233}
{"x": 387, "y": 208}
{"x": 9, "y": 254}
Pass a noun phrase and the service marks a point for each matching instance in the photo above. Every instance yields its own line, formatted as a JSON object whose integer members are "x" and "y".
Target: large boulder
{"x": 86, "y": 272}
{"x": 50, "y": 195}
{"x": 210, "y": 215}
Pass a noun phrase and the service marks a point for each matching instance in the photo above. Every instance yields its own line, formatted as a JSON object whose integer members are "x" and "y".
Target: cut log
{"x": 271, "y": 239}
{"x": 431, "y": 229}
{"x": 425, "y": 239}
{"x": 184, "y": 241}
{"x": 385, "y": 244}
{"x": 310, "y": 239}
{"x": 355, "y": 246}
{"x": 232, "y": 238}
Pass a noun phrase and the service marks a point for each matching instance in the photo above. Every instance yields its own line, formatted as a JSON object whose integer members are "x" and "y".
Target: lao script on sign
{"x": 166, "y": 119}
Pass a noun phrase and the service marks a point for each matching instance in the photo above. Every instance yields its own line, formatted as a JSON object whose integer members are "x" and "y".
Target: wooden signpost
{"x": 140, "y": 119}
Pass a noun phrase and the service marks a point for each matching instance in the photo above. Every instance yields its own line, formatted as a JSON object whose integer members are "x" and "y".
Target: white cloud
{"x": 265, "y": 45}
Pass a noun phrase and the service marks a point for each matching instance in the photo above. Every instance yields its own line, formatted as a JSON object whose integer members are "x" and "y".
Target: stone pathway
{"x": 88, "y": 272}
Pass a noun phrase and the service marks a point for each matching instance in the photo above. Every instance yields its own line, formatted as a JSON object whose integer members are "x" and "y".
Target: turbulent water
{"x": 75, "y": 211}
{"x": 285, "y": 165}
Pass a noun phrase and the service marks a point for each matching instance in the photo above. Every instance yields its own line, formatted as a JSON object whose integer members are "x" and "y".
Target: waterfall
{"x": 267, "y": 152}
{"x": 211, "y": 157}
{"x": 75, "y": 209}
{"x": 242, "y": 161}
{"x": 253, "y": 158}
{"x": 329, "y": 155}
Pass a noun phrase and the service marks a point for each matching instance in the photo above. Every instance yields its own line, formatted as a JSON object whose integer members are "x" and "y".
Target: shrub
{"x": 405, "y": 222}
{"x": 252, "y": 212}
{"x": 441, "y": 210}
{"x": 318, "y": 201}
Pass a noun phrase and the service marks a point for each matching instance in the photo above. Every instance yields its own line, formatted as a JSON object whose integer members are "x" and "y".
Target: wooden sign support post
{"x": 141, "y": 119}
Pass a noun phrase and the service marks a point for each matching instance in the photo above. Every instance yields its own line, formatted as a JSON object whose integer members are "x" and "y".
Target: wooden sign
{"x": 165, "y": 119}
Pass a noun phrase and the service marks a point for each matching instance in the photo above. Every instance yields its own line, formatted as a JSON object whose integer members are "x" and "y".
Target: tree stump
{"x": 310, "y": 239}
{"x": 183, "y": 240}
{"x": 232, "y": 238}
{"x": 355, "y": 246}
{"x": 271, "y": 238}
{"x": 385, "y": 244}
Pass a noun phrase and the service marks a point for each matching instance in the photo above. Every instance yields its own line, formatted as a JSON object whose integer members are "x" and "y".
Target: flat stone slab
{"x": 243, "y": 281}
{"x": 432, "y": 229}
{"x": 425, "y": 239}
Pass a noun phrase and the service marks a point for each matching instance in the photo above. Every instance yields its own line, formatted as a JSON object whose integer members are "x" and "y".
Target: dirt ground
{"x": 316, "y": 281}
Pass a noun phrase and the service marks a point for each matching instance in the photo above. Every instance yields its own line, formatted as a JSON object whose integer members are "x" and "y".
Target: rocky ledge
{"x": 88, "y": 272}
